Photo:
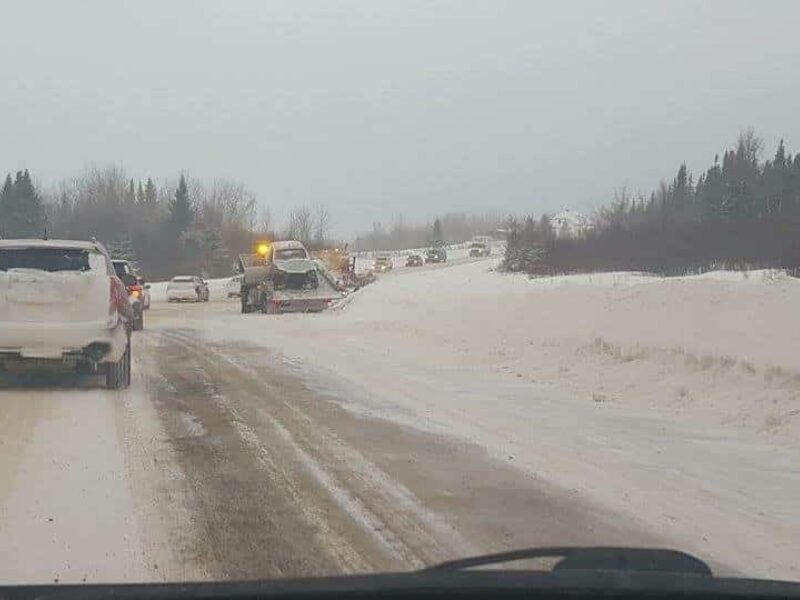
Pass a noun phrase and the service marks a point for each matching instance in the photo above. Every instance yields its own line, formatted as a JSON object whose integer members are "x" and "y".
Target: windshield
{"x": 290, "y": 253}
{"x": 51, "y": 259}
{"x": 399, "y": 282}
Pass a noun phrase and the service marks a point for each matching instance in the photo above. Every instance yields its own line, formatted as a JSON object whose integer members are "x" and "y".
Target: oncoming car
{"x": 414, "y": 260}
{"x": 436, "y": 255}
{"x": 382, "y": 263}
{"x": 187, "y": 288}
{"x": 480, "y": 247}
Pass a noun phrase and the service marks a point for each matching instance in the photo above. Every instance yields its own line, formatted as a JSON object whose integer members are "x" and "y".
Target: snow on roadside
{"x": 674, "y": 401}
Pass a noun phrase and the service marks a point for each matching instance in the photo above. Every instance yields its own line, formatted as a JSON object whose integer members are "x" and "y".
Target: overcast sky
{"x": 382, "y": 107}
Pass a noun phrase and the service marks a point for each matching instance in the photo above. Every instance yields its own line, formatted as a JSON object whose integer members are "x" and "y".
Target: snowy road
{"x": 221, "y": 463}
{"x": 390, "y": 435}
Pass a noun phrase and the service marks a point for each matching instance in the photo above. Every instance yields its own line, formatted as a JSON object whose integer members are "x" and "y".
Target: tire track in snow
{"x": 414, "y": 535}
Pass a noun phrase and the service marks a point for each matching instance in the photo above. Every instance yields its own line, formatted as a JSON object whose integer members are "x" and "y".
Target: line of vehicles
{"x": 480, "y": 246}
{"x": 383, "y": 262}
{"x": 66, "y": 305}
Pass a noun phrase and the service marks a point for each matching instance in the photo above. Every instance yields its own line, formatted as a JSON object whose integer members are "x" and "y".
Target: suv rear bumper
{"x": 93, "y": 341}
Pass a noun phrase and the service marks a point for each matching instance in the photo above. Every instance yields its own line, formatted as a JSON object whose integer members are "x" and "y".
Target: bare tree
{"x": 301, "y": 223}
{"x": 749, "y": 145}
{"x": 322, "y": 223}
{"x": 265, "y": 224}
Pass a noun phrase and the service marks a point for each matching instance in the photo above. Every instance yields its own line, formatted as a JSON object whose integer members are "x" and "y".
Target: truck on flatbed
{"x": 282, "y": 277}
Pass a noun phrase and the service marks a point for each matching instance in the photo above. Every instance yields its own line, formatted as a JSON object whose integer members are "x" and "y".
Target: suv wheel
{"x": 138, "y": 321}
{"x": 118, "y": 374}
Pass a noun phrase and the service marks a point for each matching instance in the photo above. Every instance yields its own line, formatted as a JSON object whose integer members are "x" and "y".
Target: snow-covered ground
{"x": 650, "y": 410}
{"x": 673, "y": 401}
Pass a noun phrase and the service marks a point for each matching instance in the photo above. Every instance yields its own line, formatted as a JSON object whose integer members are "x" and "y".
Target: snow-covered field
{"x": 673, "y": 401}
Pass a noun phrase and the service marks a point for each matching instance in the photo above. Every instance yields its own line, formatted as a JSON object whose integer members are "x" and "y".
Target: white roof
{"x": 62, "y": 244}
{"x": 288, "y": 245}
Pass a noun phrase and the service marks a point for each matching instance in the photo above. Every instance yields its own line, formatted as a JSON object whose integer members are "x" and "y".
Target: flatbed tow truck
{"x": 282, "y": 277}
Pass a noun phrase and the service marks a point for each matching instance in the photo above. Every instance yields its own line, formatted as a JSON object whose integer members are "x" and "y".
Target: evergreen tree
{"x": 122, "y": 248}
{"x": 437, "y": 238}
{"x": 140, "y": 199}
{"x": 150, "y": 193}
{"x": 21, "y": 208}
{"x": 181, "y": 211}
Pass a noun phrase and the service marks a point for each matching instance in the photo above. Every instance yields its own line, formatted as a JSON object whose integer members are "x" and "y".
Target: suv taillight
{"x": 118, "y": 295}
{"x": 135, "y": 290}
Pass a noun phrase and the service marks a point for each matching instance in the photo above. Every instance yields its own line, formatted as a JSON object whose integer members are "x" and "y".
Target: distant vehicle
{"x": 187, "y": 288}
{"x": 138, "y": 292}
{"x": 436, "y": 255}
{"x": 233, "y": 287}
{"x": 382, "y": 263}
{"x": 480, "y": 248}
{"x": 63, "y": 308}
{"x": 414, "y": 260}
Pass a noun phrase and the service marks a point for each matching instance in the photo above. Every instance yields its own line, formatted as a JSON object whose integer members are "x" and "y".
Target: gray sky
{"x": 379, "y": 107}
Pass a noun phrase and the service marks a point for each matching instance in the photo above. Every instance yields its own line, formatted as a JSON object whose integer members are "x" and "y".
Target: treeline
{"x": 183, "y": 226}
{"x": 740, "y": 213}
{"x": 448, "y": 228}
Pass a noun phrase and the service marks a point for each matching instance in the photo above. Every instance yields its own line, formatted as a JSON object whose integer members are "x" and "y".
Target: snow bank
{"x": 671, "y": 401}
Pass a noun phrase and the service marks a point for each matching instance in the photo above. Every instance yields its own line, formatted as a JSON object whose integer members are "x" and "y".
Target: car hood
{"x": 295, "y": 265}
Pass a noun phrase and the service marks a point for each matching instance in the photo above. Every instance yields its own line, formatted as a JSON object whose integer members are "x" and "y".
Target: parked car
{"x": 63, "y": 308}
{"x": 138, "y": 292}
{"x": 414, "y": 260}
{"x": 233, "y": 287}
{"x": 187, "y": 288}
{"x": 382, "y": 263}
{"x": 436, "y": 255}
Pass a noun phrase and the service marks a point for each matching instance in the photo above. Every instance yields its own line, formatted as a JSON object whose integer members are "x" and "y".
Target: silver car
{"x": 187, "y": 288}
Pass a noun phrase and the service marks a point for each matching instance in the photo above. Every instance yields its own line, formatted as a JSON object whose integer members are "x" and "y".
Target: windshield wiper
{"x": 604, "y": 558}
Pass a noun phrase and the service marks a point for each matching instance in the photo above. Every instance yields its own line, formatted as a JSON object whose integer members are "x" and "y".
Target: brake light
{"x": 118, "y": 294}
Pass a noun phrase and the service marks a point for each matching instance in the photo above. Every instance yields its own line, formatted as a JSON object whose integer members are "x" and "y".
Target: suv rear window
{"x": 290, "y": 253}
{"x": 51, "y": 259}
{"x": 121, "y": 268}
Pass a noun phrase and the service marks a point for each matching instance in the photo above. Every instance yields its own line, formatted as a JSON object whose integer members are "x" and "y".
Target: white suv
{"x": 63, "y": 307}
